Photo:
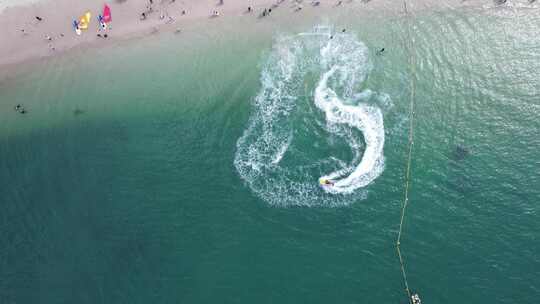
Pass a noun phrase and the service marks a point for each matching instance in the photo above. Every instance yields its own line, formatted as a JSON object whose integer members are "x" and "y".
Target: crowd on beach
{"x": 52, "y": 38}
{"x": 164, "y": 6}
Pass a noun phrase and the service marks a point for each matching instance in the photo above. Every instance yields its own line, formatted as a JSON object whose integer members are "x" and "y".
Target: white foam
{"x": 342, "y": 64}
{"x": 281, "y": 151}
{"x": 367, "y": 119}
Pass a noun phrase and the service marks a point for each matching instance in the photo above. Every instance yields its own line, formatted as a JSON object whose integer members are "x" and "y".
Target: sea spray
{"x": 311, "y": 98}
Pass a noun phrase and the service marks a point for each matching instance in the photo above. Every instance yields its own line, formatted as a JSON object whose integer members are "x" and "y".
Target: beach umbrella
{"x": 107, "y": 14}
{"x": 84, "y": 21}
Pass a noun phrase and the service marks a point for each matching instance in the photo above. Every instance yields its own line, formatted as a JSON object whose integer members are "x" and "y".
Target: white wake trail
{"x": 369, "y": 121}
{"x": 284, "y": 149}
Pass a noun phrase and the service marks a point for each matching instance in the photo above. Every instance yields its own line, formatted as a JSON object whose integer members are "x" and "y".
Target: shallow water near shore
{"x": 125, "y": 181}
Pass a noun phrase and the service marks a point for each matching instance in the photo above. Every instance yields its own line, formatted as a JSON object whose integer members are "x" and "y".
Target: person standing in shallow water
{"x": 19, "y": 108}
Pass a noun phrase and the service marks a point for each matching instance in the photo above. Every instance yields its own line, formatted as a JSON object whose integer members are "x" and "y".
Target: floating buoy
{"x": 415, "y": 299}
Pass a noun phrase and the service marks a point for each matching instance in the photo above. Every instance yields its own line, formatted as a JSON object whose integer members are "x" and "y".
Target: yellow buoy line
{"x": 413, "y": 299}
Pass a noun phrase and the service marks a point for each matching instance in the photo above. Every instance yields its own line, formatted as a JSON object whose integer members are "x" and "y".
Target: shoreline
{"x": 24, "y": 39}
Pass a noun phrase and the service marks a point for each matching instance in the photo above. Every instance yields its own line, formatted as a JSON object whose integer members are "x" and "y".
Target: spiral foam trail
{"x": 284, "y": 149}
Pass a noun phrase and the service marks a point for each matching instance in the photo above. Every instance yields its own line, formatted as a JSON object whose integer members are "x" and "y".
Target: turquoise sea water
{"x": 184, "y": 168}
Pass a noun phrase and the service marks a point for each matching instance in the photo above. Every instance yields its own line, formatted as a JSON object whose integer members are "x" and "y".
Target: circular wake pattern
{"x": 312, "y": 122}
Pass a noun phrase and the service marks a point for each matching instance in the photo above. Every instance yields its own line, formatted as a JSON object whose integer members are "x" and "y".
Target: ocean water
{"x": 185, "y": 168}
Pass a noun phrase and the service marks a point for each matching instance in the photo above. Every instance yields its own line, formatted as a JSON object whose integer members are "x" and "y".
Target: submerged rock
{"x": 460, "y": 152}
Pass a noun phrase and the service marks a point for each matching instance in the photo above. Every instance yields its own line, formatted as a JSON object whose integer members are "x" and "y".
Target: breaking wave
{"x": 297, "y": 135}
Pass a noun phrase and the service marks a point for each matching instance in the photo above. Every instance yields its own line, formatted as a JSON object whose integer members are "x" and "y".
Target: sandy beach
{"x": 23, "y": 37}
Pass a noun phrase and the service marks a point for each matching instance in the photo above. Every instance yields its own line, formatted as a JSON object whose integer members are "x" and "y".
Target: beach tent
{"x": 84, "y": 21}
{"x": 107, "y": 14}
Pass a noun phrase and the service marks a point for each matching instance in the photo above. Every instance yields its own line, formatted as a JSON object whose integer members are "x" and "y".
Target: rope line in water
{"x": 409, "y": 157}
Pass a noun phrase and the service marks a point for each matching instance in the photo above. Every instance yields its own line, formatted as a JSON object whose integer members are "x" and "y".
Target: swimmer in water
{"x": 19, "y": 108}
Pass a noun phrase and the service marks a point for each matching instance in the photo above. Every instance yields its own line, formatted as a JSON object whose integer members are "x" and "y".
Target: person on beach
{"x": 39, "y": 18}
{"x": 143, "y": 16}
{"x": 249, "y": 9}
